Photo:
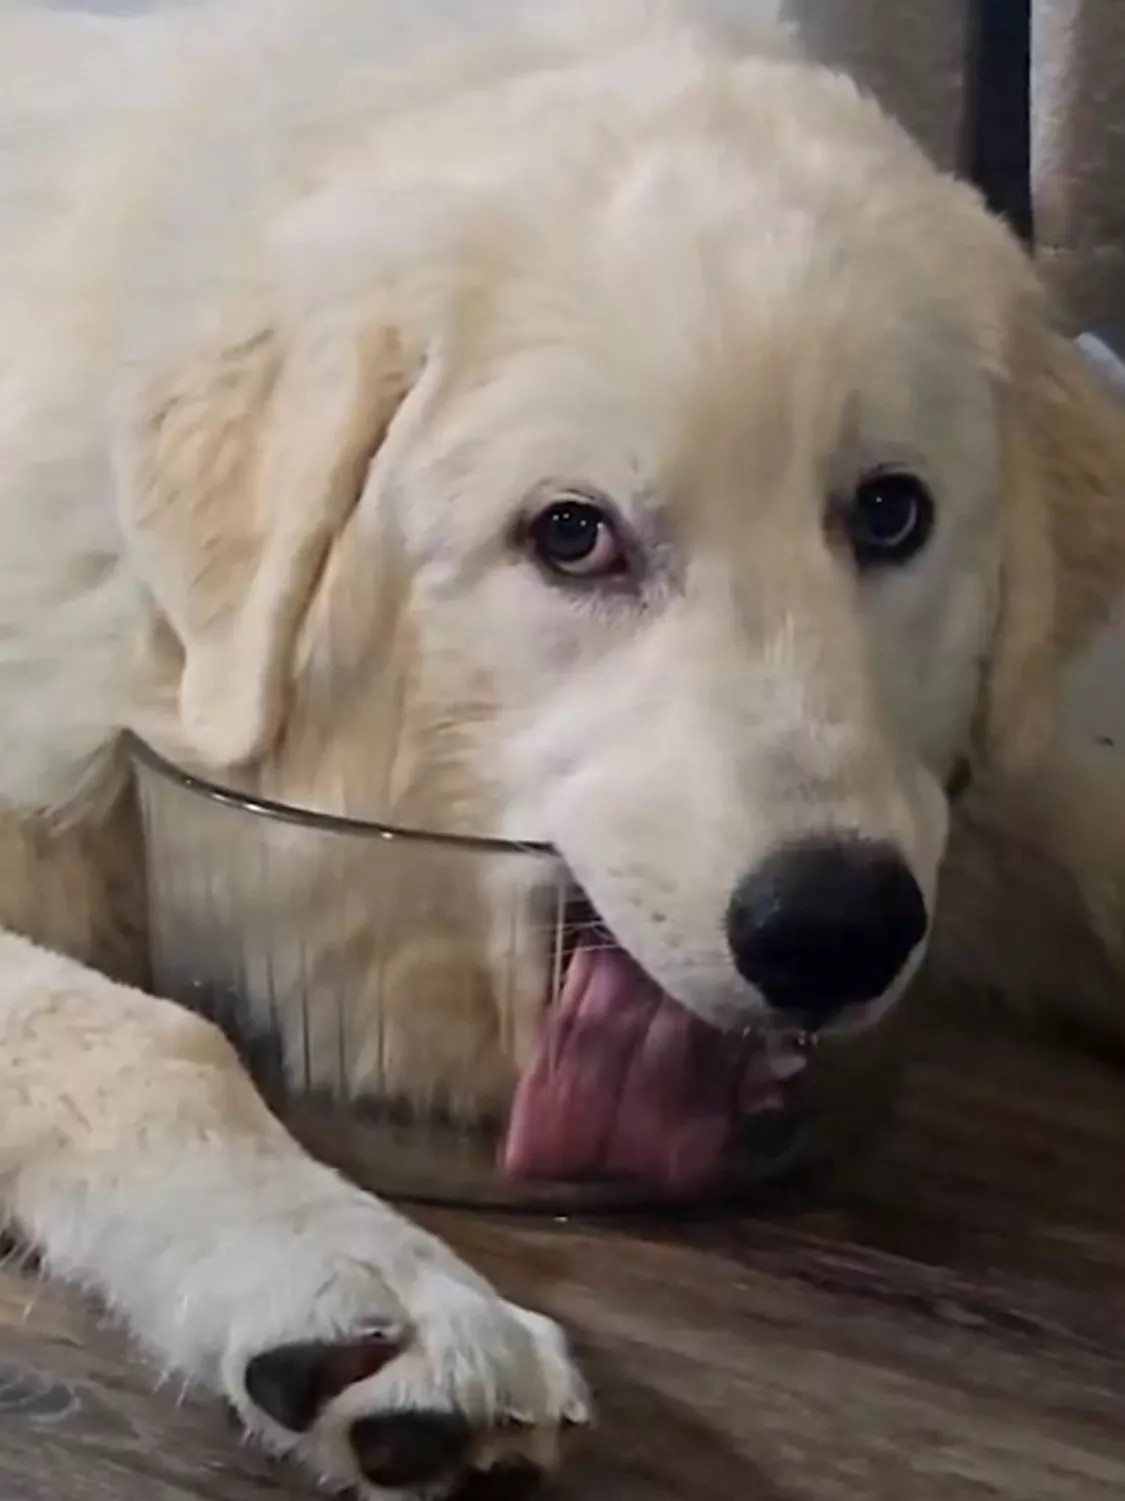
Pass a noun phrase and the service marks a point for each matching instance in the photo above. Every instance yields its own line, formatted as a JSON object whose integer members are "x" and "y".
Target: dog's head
{"x": 683, "y": 466}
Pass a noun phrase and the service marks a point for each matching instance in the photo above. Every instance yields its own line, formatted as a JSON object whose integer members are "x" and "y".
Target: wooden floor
{"x": 948, "y": 1327}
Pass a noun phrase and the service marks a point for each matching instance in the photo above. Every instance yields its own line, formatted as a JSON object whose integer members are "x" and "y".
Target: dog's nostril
{"x": 825, "y": 924}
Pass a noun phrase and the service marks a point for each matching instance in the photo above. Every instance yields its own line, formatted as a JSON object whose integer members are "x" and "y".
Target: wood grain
{"x": 949, "y": 1325}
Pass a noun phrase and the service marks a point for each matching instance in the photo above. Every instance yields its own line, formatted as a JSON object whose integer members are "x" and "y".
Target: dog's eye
{"x": 889, "y": 518}
{"x": 577, "y": 538}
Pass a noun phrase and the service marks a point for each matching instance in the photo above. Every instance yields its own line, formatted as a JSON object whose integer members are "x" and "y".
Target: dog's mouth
{"x": 627, "y": 1083}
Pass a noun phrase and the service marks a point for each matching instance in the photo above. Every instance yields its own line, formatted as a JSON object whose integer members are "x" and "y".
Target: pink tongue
{"x": 627, "y": 1083}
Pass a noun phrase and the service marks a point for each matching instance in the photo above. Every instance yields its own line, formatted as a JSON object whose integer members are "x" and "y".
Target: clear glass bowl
{"x": 385, "y": 986}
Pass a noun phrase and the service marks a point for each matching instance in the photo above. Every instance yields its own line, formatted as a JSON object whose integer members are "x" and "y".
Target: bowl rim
{"x": 149, "y": 759}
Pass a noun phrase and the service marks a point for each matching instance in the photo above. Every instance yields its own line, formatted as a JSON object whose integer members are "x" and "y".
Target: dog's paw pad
{"x": 400, "y": 1449}
{"x": 292, "y": 1383}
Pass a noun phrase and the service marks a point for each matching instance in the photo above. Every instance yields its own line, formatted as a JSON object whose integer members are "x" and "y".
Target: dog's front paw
{"x": 404, "y": 1375}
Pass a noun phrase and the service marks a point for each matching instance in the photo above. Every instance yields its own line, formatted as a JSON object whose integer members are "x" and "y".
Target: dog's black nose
{"x": 825, "y": 924}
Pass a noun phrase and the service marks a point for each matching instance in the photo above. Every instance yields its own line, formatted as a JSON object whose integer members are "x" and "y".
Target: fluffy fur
{"x": 279, "y": 378}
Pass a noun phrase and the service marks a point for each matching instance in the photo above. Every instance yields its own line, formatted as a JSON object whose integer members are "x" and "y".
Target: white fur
{"x": 302, "y": 304}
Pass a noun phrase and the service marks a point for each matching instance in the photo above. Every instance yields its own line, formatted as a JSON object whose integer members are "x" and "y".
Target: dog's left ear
{"x": 1063, "y": 563}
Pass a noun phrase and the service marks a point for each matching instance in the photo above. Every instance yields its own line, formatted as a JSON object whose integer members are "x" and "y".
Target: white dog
{"x": 696, "y": 473}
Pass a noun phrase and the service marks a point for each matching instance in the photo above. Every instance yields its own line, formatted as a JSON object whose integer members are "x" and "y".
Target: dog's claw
{"x": 514, "y": 1422}
{"x": 576, "y": 1414}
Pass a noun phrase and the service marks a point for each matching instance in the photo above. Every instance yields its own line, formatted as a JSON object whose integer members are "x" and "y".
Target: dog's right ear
{"x": 238, "y": 468}
{"x": 1064, "y": 535}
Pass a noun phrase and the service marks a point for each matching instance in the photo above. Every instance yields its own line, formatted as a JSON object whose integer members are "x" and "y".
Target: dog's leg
{"x": 135, "y": 1153}
{"x": 1032, "y": 906}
